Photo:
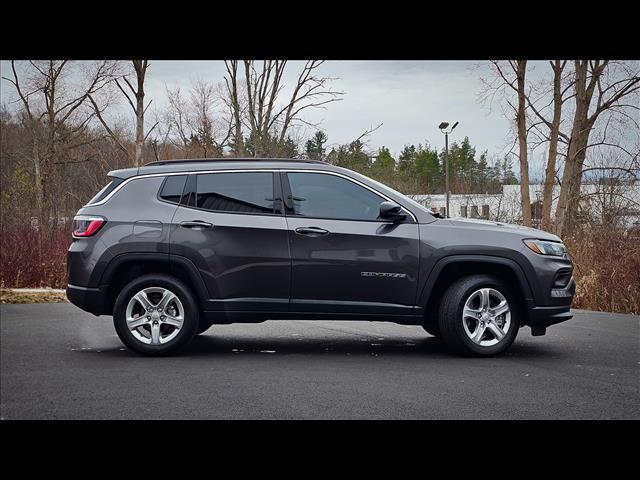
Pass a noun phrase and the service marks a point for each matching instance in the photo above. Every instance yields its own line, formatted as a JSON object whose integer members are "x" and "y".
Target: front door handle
{"x": 196, "y": 224}
{"x": 311, "y": 231}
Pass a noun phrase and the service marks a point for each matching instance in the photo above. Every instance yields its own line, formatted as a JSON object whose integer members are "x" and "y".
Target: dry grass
{"x": 606, "y": 270}
{"x": 9, "y": 296}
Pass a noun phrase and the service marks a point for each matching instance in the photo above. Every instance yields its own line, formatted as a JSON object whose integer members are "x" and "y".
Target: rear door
{"x": 231, "y": 226}
{"x": 344, "y": 259}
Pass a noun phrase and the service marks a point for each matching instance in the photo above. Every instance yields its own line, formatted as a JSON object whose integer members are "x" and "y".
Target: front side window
{"x": 250, "y": 192}
{"x": 320, "y": 195}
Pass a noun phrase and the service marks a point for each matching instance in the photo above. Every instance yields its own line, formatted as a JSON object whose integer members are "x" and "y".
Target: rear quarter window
{"x": 106, "y": 190}
{"x": 171, "y": 190}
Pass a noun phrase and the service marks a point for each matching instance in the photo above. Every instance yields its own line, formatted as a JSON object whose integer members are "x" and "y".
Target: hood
{"x": 525, "y": 232}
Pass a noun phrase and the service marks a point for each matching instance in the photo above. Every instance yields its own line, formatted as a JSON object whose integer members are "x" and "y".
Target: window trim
{"x": 276, "y": 194}
{"x": 240, "y": 170}
{"x": 285, "y": 171}
{"x": 117, "y": 180}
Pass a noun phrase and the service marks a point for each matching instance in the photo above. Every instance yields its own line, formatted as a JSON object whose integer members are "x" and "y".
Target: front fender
{"x": 520, "y": 272}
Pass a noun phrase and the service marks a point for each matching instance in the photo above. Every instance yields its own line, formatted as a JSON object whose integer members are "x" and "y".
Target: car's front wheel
{"x": 479, "y": 316}
{"x": 156, "y": 315}
{"x": 204, "y": 326}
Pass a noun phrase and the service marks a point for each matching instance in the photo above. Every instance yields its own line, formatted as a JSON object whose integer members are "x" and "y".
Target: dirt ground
{"x": 10, "y": 296}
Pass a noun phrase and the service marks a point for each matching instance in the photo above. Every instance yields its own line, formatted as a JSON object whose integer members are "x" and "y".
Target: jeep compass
{"x": 173, "y": 247}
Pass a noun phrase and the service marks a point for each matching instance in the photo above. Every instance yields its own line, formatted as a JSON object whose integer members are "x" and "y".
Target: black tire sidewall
{"x": 191, "y": 314}
{"x": 450, "y": 320}
{"x": 203, "y": 326}
{"x": 432, "y": 328}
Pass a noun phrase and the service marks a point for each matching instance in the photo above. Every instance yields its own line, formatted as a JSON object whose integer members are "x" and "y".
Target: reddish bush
{"x": 30, "y": 258}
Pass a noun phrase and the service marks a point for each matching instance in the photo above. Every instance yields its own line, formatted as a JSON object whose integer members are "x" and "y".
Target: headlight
{"x": 546, "y": 248}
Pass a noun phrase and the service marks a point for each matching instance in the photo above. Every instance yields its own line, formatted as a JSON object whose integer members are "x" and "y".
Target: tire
{"x": 485, "y": 328}
{"x": 203, "y": 326}
{"x": 432, "y": 328}
{"x": 169, "y": 329}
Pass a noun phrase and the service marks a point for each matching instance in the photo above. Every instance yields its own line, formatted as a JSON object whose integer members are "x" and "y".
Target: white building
{"x": 621, "y": 199}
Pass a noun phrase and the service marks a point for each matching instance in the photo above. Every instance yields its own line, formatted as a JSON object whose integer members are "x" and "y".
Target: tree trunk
{"x": 572, "y": 175}
{"x": 140, "y": 67}
{"x": 36, "y": 168}
{"x": 522, "y": 141}
{"x": 139, "y": 129}
{"x": 566, "y": 216}
{"x": 549, "y": 180}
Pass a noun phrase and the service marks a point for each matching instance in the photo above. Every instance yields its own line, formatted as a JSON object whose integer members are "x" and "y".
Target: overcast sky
{"x": 410, "y": 99}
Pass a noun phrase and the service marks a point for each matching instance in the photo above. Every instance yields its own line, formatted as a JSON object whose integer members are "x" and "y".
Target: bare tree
{"x": 196, "y": 124}
{"x": 52, "y": 107}
{"x": 600, "y": 86}
{"x": 236, "y": 110}
{"x": 266, "y": 119}
{"x": 135, "y": 99}
{"x": 510, "y": 78}
{"x": 554, "y": 135}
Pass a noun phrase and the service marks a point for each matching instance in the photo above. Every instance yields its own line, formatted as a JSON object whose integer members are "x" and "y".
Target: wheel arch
{"x": 451, "y": 268}
{"x": 125, "y": 267}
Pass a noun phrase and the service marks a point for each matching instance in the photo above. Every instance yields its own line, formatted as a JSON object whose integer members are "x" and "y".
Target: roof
{"x": 230, "y": 159}
{"x": 204, "y": 164}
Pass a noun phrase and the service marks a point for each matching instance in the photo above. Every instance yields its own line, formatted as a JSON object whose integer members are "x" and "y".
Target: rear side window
{"x": 106, "y": 190}
{"x": 250, "y": 192}
{"x": 172, "y": 188}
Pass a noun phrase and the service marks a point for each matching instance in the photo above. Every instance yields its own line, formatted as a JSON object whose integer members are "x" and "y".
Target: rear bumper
{"x": 92, "y": 300}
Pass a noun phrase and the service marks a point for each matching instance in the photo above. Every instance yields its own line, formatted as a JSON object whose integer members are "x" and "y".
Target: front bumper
{"x": 92, "y": 300}
{"x": 542, "y": 316}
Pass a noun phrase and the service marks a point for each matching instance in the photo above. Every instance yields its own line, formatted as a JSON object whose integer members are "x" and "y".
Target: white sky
{"x": 410, "y": 98}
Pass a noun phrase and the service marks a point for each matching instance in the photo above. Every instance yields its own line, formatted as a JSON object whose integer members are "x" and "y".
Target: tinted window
{"x": 106, "y": 190}
{"x": 329, "y": 196}
{"x": 172, "y": 188}
{"x": 235, "y": 192}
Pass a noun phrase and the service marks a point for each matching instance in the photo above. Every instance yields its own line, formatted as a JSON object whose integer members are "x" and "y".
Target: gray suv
{"x": 173, "y": 247}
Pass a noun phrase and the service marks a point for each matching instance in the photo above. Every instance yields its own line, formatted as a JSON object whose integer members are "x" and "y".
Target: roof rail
{"x": 231, "y": 159}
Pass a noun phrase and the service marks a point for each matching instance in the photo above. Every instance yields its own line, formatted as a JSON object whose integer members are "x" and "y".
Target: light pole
{"x": 443, "y": 128}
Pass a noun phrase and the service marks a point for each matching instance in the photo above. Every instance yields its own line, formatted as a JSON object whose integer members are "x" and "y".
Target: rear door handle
{"x": 311, "y": 231}
{"x": 196, "y": 224}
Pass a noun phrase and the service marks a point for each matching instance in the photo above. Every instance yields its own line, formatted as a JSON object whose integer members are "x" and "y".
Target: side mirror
{"x": 391, "y": 211}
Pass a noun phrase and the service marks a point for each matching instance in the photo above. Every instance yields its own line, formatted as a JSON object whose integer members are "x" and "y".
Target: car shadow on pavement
{"x": 211, "y": 345}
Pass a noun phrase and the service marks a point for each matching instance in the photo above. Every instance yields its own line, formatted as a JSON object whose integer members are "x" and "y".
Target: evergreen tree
{"x": 407, "y": 160}
{"x": 426, "y": 169}
{"x": 384, "y": 166}
{"x": 315, "y": 146}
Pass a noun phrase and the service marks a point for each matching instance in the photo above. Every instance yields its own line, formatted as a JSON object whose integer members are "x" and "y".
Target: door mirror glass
{"x": 391, "y": 211}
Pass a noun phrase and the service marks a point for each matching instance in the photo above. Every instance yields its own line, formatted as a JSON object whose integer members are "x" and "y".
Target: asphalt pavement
{"x": 58, "y": 362}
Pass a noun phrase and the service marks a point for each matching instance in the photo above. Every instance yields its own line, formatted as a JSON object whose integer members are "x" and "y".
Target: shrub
{"x": 606, "y": 269}
{"x": 31, "y": 258}
{"x": 607, "y": 264}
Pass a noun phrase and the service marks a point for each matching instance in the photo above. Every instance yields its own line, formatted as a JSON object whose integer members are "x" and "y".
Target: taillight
{"x": 85, "y": 226}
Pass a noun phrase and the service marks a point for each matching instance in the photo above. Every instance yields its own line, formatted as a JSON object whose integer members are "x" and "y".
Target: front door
{"x": 344, "y": 259}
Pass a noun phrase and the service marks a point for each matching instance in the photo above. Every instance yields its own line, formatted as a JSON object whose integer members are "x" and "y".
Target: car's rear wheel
{"x": 156, "y": 315}
{"x": 479, "y": 316}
